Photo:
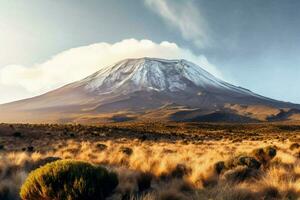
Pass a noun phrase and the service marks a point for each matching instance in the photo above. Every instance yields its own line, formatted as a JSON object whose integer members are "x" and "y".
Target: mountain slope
{"x": 147, "y": 89}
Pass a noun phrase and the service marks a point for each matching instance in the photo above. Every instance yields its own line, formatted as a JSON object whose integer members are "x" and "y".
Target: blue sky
{"x": 254, "y": 44}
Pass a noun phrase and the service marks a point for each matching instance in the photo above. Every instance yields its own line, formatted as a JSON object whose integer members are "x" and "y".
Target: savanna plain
{"x": 147, "y": 161}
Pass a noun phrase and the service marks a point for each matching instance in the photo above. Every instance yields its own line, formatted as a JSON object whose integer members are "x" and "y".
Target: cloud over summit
{"x": 77, "y": 63}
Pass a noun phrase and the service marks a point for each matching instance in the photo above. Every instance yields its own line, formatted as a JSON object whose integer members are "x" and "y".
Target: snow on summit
{"x": 143, "y": 86}
{"x": 151, "y": 74}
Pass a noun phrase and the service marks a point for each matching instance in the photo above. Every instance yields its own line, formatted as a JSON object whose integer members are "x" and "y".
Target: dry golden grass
{"x": 181, "y": 167}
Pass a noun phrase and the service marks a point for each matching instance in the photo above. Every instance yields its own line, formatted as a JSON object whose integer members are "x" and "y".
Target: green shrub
{"x": 69, "y": 180}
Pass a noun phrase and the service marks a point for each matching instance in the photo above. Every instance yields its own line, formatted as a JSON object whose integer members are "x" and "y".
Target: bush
{"x": 242, "y": 160}
{"x": 249, "y": 162}
{"x": 265, "y": 155}
{"x": 101, "y": 147}
{"x": 72, "y": 135}
{"x": 69, "y": 180}
{"x": 270, "y": 192}
{"x": 144, "y": 181}
{"x": 294, "y": 146}
{"x": 17, "y": 134}
{"x": 219, "y": 166}
{"x": 5, "y": 193}
{"x": 180, "y": 171}
{"x": 126, "y": 150}
{"x": 242, "y": 173}
{"x": 30, "y": 149}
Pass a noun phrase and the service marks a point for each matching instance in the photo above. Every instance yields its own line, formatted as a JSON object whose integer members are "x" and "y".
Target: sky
{"x": 47, "y": 44}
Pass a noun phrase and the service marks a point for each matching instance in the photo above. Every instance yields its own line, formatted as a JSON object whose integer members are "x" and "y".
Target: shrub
{"x": 5, "y": 193}
{"x": 30, "y": 149}
{"x": 249, "y": 162}
{"x": 265, "y": 155}
{"x": 270, "y": 192}
{"x": 126, "y": 150}
{"x": 294, "y": 146}
{"x": 143, "y": 138}
{"x": 144, "y": 181}
{"x": 69, "y": 180}
{"x": 17, "y": 134}
{"x": 101, "y": 147}
{"x": 180, "y": 171}
{"x": 242, "y": 160}
{"x": 72, "y": 135}
{"x": 219, "y": 167}
{"x": 242, "y": 173}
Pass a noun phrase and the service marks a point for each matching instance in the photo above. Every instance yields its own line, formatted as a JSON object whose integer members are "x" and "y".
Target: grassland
{"x": 163, "y": 160}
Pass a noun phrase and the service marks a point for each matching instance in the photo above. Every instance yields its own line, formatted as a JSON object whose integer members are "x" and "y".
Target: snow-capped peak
{"x": 151, "y": 74}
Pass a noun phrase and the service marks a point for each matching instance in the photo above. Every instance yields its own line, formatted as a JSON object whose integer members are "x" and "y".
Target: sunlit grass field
{"x": 163, "y": 160}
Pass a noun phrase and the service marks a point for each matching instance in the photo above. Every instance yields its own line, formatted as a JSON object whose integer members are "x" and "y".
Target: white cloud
{"x": 77, "y": 63}
{"x": 185, "y": 16}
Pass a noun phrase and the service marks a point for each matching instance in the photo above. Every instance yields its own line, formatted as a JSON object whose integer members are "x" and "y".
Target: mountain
{"x": 149, "y": 89}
